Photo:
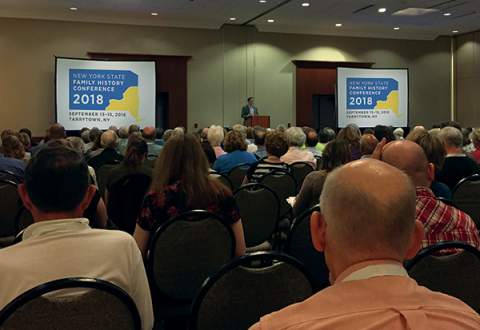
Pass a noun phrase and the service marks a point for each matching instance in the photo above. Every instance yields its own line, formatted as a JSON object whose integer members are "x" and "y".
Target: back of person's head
{"x": 368, "y": 143}
{"x": 475, "y": 136}
{"x": 149, "y": 133}
{"x": 276, "y": 144}
{"x": 203, "y": 133}
{"x": 77, "y": 143}
{"x": 369, "y": 130}
{"x": 56, "y": 179}
{"x": 281, "y": 128}
{"x": 382, "y": 131}
{"x": 56, "y": 131}
{"x": 235, "y": 140}
{"x": 240, "y": 128}
{"x": 380, "y": 218}
{"x": 415, "y": 133}
{"x": 398, "y": 133}
{"x": 330, "y": 132}
{"x": 123, "y": 132}
{"x": 183, "y": 160}
{"x": 466, "y": 135}
{"x": 322, "y": 136}
{"x": 295, "y": 137}
{"x": 85, "y": 135}
{"x": 259, "y": 136}
{"x": 250, "y": 133}
{"x": 26, "y": 131}
{"x": 159, "y": 132}
{"x": 94, "y": 133}
{"x": 7, "y": 132}
{"x": 312, "y": 138}
{"x": 109, "y": 139}
{"x": 133, "y": 128}
{"x": 451, "y": 137}
{"x": 113, "y": 128}
{"x": 351, "y": 133}
{"x": 12, "y": 147}
{"x": 335, "y": 154}
{"x": 433, "y": 147}
{"x": 25, "y": 139}
{"x": 451, "y": 123}
{"x": 137, "y": 151}
{"x": 215, "y": 135}
{"x": 409, "y": 157}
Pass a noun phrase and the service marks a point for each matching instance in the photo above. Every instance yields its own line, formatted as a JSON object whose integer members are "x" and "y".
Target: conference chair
{"x": 259, "y": 223}
{"x": 74, "y": 304}
{"x": 284, "y": 185}
{"x": 248, "y": 288}
{"x": 300, "y": 170}
{"x": 237, "y": 175}
{"x": 125, "y": 198}
{"x": 299, "y": 245}
{"x": 454, "y": 274}
{"x": 182, "y": 254}
{"x": 223, "y": 179}
{"x": 102, "y": 177}
{"x": 8, "y": 175}
{"x": 10, "y": 204}
{"x": 466, "y": 196}
{"x": 319, "y": 162}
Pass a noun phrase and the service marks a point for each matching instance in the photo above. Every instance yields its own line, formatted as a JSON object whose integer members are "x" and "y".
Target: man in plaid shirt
{"x": 442, "y": 222}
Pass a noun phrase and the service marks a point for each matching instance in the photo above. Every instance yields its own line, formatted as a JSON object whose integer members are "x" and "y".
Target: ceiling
{"x": 358, "y": 17}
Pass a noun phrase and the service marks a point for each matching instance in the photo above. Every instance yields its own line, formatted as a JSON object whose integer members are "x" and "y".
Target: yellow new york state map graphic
{"x": 390, "y": 104}
{"x": 129, "y": 103}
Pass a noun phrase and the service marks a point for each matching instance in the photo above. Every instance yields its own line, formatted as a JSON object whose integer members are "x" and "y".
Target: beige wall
{"x": 467, "y": 58}
{"x": 227, "y": 66}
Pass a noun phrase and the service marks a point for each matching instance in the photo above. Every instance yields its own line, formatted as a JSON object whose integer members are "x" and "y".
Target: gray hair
{"x": 475, "y": 136}
{"x": 295, "y": 137}
{"x": 77, "y": 143}
{"x": 215, "y": 135}
{"x": 123, "y": 132}
{"x": 451, "y": 136}
{"x": 398, "y": 132}
{"x": 85, "y": 136}
{"x": 109, "y": 139}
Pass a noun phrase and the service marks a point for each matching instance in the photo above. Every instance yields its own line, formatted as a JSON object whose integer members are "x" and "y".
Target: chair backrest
{"x": 466, "y": 196}
{"x": 454, "y": 274}
{"x": 300, "y": 170}
{"x": 8, "y": 175}
{"x": 72, "y": 303}
{"x": 125, "y": 198}
{"x": 185, "y": 251}
{"x": 446, "y": 201}
{"x": 319, "y": 162}
{"x": 284, "y": 185}
{"x": 248, "y": 288}
{"x": 237, "y": 175}
{"x": 259, "y": 223}
{"x": 102, "y": 177}
{"x": 299, "y": 245}
{"x": 10, "y": 204}
{"x": 223, "y": 179}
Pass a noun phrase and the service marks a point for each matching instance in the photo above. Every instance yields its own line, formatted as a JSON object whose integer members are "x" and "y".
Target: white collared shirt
{"x": 56, "y": 249}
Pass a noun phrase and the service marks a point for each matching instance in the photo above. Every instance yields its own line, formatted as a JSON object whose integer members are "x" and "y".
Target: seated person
{"x": 215, "y": 136}
{"x": 368, "y": 143}
{"x": 182, "y": 183}
{"x": 109, "y": 154}
{"x": 457, "y": 164}
{"x": 442, "y": 222}
{"x": 311, "y": 143}
{"x": 365, "y": 245}
{"x": 149, "y": 133}
{"x": 259, "y": 141}
{"x": 61, "y": 243}
{"x": 296, "y": 139}
{"x": 236, "y": 147}
{"x": 335, "y": 154}
{"x": 12, "y": 156}
{"x": 276, "y": 146}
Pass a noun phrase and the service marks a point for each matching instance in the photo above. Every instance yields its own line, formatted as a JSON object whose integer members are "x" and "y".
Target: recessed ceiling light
{"x": 338, "y": 25}
{"x": 396, "y": 28}
{"x": 455, "y": 31}
{"x": 233, "y": 18}
{"x": 306, "y": 4}
{"x": 382, "y": 10}
{"x": 270, "y": 20}
{"x": 154, "y": 14}
{"x": 262, "y": 1}
{"x": 73, "y": 8}
{"x": 447, "y": 14}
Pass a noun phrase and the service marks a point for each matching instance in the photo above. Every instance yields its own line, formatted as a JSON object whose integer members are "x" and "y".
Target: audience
{"x": 296, "y": 139}
{"x": 311, "y": 143}
{"x": 215, "y": 137}
{"x": 93, "y": 135}
{"x": 108, "y": 153}
{"x": 9, "y": 163}
{"x": 12, "y": 147}
{"x": 351, "y": 133}
{"x": 149, "y": 133}
{"x": 368, "y": 143}
{"x": 276, "y": 146}
{"x": 181, "y": 182}
{"x": 335, "y": 154}
{"x": 122, "y": 140}
{"x": 398, "y": 133}
{"x": 442, "y": 222}
{"x": 476, "y": 143}
{"x": 61, "y": 243}
{"x": 365, "y": 245}
{"x": 457, "y": 164}
{"x": 382, "y": 131}
{"x": 259, "y": 141}
{"x": 236, "y": 147}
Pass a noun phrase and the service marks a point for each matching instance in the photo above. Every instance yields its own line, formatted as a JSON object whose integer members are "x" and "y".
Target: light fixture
{"x": 455, "y": 31}
{"x": 447, "y": 14}
{"x": 338, "y": 25}
{"x": 396, "y": 28}
{"x": 73, "y": 8}
{"x": 305, "y": 4}
{"x": 154, "y": 14}
{"x": 271, "y": 20}
{"x": 233, "y": 18}
{"x": 262, "y": 1}
{"x": 382, "y": 10}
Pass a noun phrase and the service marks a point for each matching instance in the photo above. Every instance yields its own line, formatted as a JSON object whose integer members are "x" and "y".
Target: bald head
{"x": 411, "y": 159}
{"x": 109, "y": 139}
{"x": 380, "y": 216}
{"x": 368, "y": 142}
{"x": 149, "y": 133}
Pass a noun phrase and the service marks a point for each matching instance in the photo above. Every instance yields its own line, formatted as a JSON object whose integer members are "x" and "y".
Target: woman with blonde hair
{"x": 181, "y": 183}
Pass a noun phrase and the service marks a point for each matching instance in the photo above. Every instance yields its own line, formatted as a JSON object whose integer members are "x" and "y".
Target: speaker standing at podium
{"x": 249, "y": 110}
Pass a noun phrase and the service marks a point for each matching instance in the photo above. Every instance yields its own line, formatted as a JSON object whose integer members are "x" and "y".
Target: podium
{"x": 263, "y": 121}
